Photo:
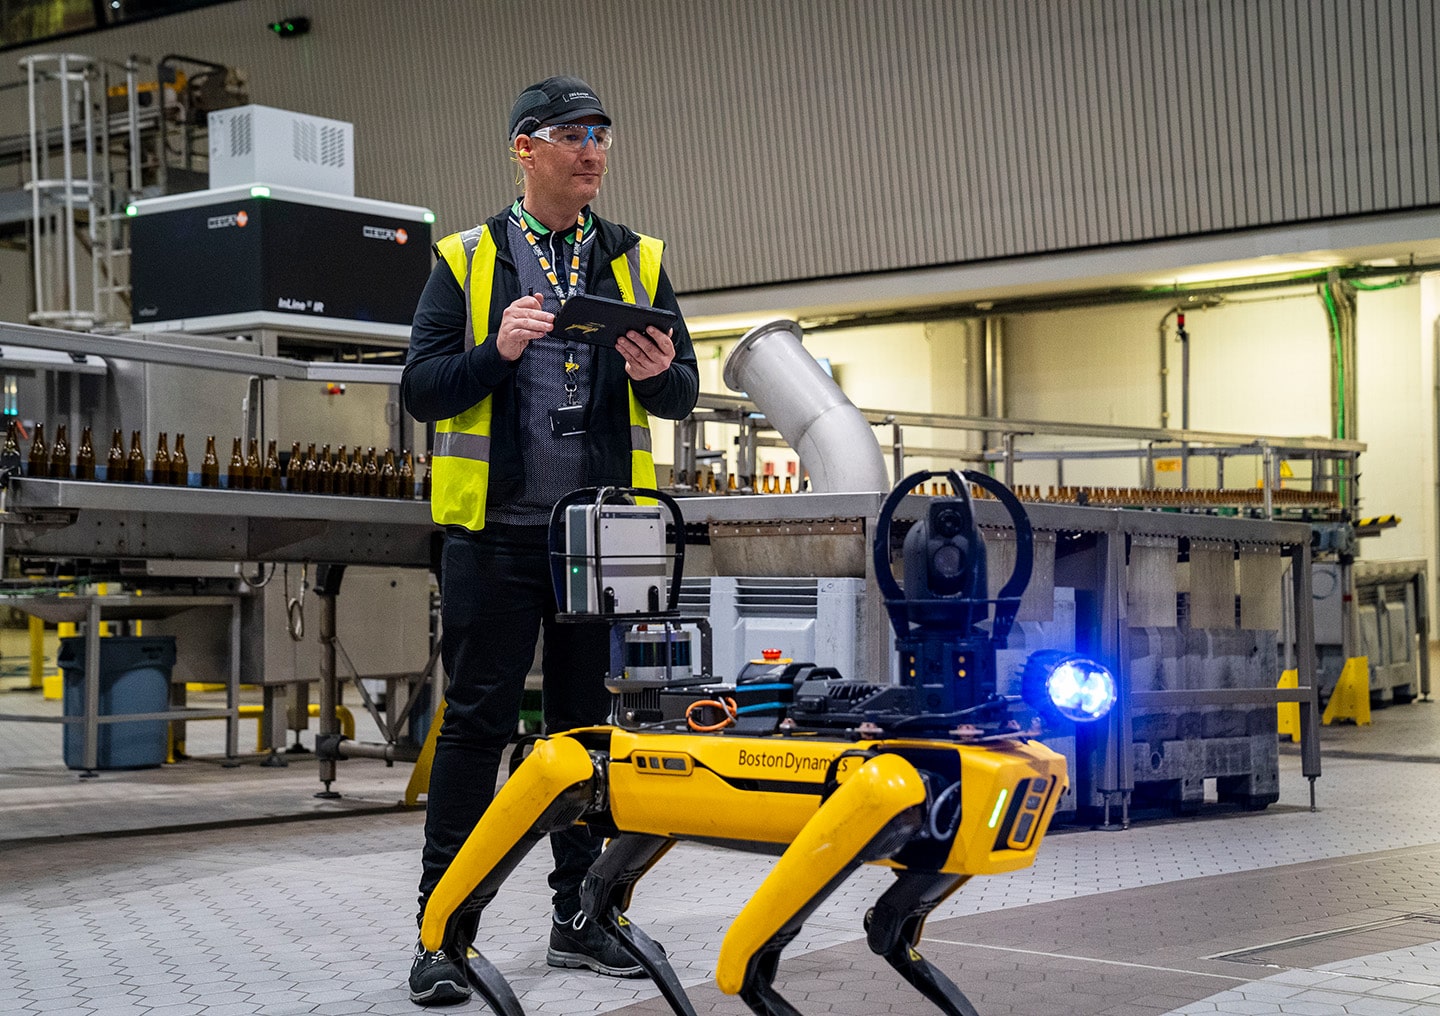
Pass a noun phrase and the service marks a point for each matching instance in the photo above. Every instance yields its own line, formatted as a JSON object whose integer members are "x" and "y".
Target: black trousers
{"x": 496, "y": 596}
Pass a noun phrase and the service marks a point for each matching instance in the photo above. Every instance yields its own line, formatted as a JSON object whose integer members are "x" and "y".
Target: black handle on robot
{"x": 606, "y": 495}
{"x": 1007, "y": 603}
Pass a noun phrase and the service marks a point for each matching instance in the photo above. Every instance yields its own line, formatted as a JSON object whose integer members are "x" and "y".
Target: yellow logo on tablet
{"x": 585, "y": 328}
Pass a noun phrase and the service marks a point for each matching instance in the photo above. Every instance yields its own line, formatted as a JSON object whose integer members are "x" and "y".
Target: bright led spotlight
{"x": 1066, "y": 685}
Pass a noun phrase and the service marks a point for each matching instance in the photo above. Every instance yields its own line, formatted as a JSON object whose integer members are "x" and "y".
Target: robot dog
{"x": 937, "y": 777}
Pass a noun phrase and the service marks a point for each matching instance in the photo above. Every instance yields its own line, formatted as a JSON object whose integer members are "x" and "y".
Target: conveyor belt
{"x": 69, "y": 518}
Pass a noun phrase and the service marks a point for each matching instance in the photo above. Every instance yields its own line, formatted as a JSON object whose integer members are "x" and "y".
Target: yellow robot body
{"x": 764, "y": 790}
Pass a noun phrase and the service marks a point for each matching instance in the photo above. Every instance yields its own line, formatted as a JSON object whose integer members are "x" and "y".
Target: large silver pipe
{"x": 772, "y": 367}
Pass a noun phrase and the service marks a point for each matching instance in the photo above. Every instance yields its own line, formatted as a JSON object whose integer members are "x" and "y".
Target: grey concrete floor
{"x": 203, "y": 889}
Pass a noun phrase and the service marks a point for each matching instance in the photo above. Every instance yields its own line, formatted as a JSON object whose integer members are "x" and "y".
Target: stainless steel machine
{"x": 278, "y": 555}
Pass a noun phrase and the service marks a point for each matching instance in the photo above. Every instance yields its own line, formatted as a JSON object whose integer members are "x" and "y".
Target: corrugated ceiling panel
{"x": 772, "y": 141}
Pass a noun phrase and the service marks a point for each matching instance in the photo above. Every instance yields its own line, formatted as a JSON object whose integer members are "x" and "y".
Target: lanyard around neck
{"x": 520, "y": 219}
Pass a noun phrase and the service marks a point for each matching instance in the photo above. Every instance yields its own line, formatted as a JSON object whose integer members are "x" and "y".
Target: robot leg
{"x": 895, "y": 923}
{"x": 605, "y": 896}
{"x": 875, "y": 812}
{"x": 550, "y": 791}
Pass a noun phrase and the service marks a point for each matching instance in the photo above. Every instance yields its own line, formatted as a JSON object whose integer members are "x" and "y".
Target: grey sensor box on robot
{"x": 615, "y": 559}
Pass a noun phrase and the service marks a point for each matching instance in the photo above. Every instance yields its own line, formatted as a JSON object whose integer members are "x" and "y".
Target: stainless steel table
{"x": 91, "y": 610}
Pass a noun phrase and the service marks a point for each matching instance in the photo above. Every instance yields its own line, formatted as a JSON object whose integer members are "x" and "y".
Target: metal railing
{"x": 1002, "y": 444}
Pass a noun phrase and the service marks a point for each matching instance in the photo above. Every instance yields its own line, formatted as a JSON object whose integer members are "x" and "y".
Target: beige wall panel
{"x": 773, "y": 141}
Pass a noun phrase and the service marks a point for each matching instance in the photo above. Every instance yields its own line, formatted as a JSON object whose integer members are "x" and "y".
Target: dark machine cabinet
{"x": 276, "y": 260}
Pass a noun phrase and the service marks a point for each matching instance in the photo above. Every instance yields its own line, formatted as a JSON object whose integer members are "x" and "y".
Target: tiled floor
{"x": 199, "y": 889}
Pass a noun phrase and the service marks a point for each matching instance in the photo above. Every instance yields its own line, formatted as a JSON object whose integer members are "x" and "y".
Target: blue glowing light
{"x": 1068, "y": 686}
{"x": 1081, "y": 689}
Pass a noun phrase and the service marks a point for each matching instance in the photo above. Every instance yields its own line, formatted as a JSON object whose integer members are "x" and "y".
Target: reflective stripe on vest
{"x": 460, "y": 461}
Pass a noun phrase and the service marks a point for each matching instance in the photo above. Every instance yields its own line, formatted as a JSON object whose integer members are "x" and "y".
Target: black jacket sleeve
{"x": 442, "y": 378}
{"x": 671, "y": 395}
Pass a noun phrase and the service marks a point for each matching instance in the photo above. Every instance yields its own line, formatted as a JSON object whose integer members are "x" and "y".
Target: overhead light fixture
{"x": 1236, "y": 271}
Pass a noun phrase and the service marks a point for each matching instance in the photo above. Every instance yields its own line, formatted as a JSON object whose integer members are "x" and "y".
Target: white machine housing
{"x": 614, "y": 552}
{"x": 250, "y": 144}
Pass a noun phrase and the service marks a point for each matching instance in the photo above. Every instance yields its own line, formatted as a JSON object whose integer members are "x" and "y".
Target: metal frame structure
{"x": 66, "y": 518}
{"x": 1333, "y": 460}
{"x": 783, "y": 520}
{"x": 92, "y": 610}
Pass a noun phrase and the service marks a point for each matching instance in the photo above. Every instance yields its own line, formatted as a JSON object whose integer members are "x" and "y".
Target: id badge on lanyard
{"x": 567, "y": 420}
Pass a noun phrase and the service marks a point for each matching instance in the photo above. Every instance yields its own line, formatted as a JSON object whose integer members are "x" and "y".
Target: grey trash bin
{"x": 134, "y": 678}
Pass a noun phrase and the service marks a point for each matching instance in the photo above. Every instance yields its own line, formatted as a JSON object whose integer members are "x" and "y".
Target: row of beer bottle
{"x": 364, "y": 474}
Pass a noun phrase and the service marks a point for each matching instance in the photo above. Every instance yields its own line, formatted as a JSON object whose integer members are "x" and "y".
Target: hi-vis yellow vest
{"x": 460, "y": 462}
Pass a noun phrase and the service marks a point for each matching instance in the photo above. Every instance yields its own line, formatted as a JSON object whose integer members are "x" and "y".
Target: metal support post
{"x": 1116, "y": 775}
{"x": 329, "y": 690}
{"x": 1267, "y": 471}
{"x": 90, "y": 745}
{"x": 232, "y": 687}
{"x": 897, "y": 451}
{"x": 1305, "y": 658}
{"x": 1422, "y": 629}
{"x": 686, "y": 441}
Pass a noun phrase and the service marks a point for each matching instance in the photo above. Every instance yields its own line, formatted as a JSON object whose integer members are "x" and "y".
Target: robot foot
{"x": 894, "y": 925}
{"x": 759, "y": 990}
{"x": 492, "y": 986}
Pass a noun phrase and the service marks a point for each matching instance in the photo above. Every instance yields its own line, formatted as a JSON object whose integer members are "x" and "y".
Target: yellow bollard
{"x": 1351, "y": 698}
{"x": 1288, "y": 716}
{"x": 420, "y": 775}
{"x": 37, "y": 652}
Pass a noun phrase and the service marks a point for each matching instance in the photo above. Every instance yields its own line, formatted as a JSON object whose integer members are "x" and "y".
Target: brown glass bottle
{"x": 85, "y": 456}
{"x": 135, "y": 461}
{"x": 372, "y": 474}
{"x": 293, "y": 469}
{"x": 180, "y": 463}
{"x": 425, "y": 483}
{"x": 160, "y": 466}
{"x": 115, "y": 468}
{"x": 407, "y": 475}
{"x": 389, "y": 476}
{"x": 270, "y": 472}
{"x": 309, "y": 471}
{"x": 341, "y": 472}
{"x": 357, "y": 473}
{"x": 210, "y": 464}
{"x": 252, "y": 466}
{"x": 324, "y": 473}
{"x": 39, "y": 464}
{"x": 60, "y": 455}
{"x": 10, "y": 457}
{"x": 235, "y": 474}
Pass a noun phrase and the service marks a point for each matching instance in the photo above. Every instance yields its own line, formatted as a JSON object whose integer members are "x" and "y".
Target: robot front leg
{"x": 893, "y": 927}
{"x": 873, "y": 814}
{"x": 554, "y": 786}
{"x": 605, "y": 896}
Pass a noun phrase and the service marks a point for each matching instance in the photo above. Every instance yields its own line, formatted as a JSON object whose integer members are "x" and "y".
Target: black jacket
{"x": 443, "y": 379}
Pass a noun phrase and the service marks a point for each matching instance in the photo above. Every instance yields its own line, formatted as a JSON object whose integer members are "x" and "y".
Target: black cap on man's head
{"x": 555, "y": 100}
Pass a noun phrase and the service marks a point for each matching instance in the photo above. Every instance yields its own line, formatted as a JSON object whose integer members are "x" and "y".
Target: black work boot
{"x": 438, "y": 978}
{"x": 580, "y": 943}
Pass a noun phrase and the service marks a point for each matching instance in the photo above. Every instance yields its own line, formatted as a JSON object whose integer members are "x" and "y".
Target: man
{"x": 521, "y": 418}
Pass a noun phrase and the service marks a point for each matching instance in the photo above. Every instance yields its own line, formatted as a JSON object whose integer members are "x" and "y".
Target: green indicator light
{"x": 999, "y": 807}
{"x": 574, "y": 571}
{"x": 429, "y": 216}
{"x": 259, "y": 192}
{"x": 131, "y": 210}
